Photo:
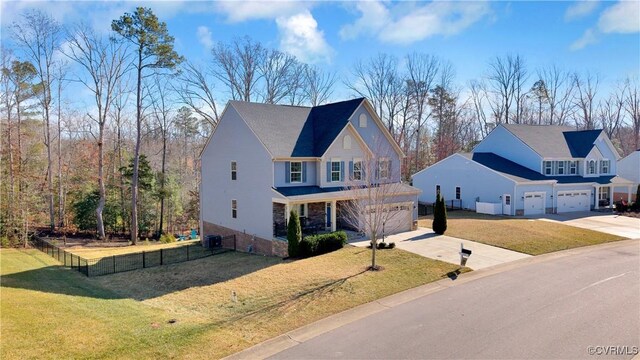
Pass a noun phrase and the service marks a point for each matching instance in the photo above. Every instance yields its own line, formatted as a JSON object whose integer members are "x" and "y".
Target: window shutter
{"x": 328, "y": 171}
{"x": 304, "y": 171}
{"x": 287, "y": 172}
{"x": 341, "y": 170}
{"x": 351, "y": 169}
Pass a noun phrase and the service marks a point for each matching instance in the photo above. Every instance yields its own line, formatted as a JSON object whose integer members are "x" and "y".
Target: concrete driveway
{"x": 426, "y": 243}
{"x": 604, "y": 222}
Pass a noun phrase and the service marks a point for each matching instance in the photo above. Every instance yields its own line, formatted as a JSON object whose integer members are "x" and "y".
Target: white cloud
{"x": 623, "y": 17}
{"x": 238, "y": 11}
{"x": 205, "y": 37}
{"x": 579, "y": 9}
{"x": 406, "y": 23}
{"x": 589, "y": 37}
{"x": 300, "y": 36}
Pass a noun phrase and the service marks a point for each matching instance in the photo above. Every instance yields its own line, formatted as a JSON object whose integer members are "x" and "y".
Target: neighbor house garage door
{"x": 533, "y": 203}
{"x": 574, "y": 201}
{"x": 397, "y": 218}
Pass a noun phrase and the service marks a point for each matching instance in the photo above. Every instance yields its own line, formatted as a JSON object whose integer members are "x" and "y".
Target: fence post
{"x": 144, "y": 259}
{"x": 161, "y": 257}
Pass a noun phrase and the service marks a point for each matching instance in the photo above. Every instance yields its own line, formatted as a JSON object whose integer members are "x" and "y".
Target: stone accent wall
{"x": 317, "y": 213}
{"x": 245, "y": 242}
{"x": 278, "y": 214}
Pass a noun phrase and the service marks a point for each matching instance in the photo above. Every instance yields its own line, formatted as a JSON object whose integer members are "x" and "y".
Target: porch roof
{"x": 316, "y": 193}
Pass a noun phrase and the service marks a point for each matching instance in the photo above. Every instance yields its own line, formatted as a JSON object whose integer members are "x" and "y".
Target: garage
{"x": 569, "y": 201}
{"x": 397, "y": 218}
{"x": 534, "y": 203}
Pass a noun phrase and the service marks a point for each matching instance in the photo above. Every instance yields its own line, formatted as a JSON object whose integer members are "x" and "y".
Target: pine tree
{"x": 439, "y": 216}
{"x": 294, "y": 233}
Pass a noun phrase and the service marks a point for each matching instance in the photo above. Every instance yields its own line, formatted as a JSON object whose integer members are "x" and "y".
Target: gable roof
{"x": 551, "y": 141}
{"x": 520, "y": 173}
{"x": 297, "y": 131}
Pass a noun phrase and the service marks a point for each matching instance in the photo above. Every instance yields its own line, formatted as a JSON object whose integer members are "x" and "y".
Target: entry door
{"x": 506, "y": 204}
{"x": 328, "y": 211}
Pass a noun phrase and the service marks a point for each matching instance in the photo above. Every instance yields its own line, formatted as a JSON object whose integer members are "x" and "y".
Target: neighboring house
{"x": 629, "y": 168}
{"x": 264, "y": 160}
{"x": 527, "y": 170}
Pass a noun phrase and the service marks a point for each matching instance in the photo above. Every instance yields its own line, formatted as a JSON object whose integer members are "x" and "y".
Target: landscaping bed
{"x": 533, "y": 237}
{"x": 188, "y": 310}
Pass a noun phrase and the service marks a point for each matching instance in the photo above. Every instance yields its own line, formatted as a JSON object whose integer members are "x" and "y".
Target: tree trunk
{"x": 122, "y": 205}
{"x": 101, "y": 188}
{"x": 60, "y": 194}
{"x": 52, "y": 221}
{"x": 162, "y": 180}
{"x": 12, "y": 188}
{"x": 136, "y": 155}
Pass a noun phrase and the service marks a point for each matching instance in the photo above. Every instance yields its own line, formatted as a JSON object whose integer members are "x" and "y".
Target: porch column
{"x": 334, "y": 210}
{"x": 286, "y": 214}
{"x": 597, "y": 197}
{"x": 629, "y": 193}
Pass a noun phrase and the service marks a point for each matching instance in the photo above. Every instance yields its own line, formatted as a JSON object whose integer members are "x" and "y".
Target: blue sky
{"x": 602, "y": 37}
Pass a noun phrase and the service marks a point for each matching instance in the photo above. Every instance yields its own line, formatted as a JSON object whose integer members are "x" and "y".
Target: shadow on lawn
{"x": 139, "y": 284}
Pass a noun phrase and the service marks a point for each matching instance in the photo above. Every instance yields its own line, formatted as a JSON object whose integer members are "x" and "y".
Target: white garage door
{"x": 574, "y": 201}
{"x": 397, "y": 218}
{"x": 533, "y": 203}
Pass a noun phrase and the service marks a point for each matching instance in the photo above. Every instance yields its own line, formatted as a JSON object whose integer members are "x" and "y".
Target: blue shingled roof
{"x": 581, "y": 142}
{"x": 306, "y": 190}
{"x": 520, "y": 173}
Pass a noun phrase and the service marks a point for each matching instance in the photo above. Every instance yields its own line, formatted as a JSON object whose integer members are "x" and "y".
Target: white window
{"x": 457, "y": 192}
{"x": 604, "y": 166}
{"x": 591, "y": 167}
{"x": 560, "y": 168}
{"x": 603, "y": 193}
{"x": 234, "y": 170}
{"x": 234, "y": 208}
{"x": 357, "y": 169}
{"x": 295, "y": 173}
{"x": 573, "y": 167}
{"x": 346, "y": 142}
{"x": 363, "y": 120}
{"x": 383, "y": 168}
{"x": 548, "y": 167}
{"x": 335, "y": 171}
{"x": 302, "y": 210}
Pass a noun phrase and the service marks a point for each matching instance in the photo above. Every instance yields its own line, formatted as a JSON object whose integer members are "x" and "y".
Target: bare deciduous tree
{"x": 196, "y": 91}
{"x": 236, "y": 65}
{"x": 559, "y": 93}
{"x": 586, "y": 89}
{"x": 39, "y": 36}
{"x": 317, "y": 84}
{"x": 632, "y": 107}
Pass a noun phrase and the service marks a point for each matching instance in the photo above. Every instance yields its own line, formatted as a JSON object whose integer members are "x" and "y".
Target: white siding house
{"x": 528, "y": 170}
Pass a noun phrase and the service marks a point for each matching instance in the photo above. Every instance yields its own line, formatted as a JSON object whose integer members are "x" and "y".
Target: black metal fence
{"x": 425, "y": 208}
{"x": 126, "y": 262}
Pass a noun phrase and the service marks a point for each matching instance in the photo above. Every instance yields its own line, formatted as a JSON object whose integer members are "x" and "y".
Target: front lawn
{"x": 97, "y": 251}
{"x": 527, "y": 236}
{"x": 187, "y": 310}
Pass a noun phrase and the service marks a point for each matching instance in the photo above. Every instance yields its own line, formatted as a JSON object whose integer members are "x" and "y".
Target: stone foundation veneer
{"x": 244, "y": 241}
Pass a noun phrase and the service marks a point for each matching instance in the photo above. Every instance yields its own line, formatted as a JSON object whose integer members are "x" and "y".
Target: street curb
{"x": 292, "y": 338}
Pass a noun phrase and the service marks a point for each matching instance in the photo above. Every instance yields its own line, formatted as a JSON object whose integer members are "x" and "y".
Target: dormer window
{"x": 573, "y": 167}
{"x": 591, "y": 167}
{"x": 560, "y": 168}
{"x": 604, "y": 166}
{"x": 548, "y": 168}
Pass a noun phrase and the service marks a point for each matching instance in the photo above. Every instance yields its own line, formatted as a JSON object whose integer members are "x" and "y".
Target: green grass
{"x": 52, "y": 312}
{"x": 527, "y": 236}
{"x": 92, "y": 252}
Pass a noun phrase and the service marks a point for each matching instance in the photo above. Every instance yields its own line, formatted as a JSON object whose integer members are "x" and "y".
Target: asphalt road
{"x": 584, "y": 306}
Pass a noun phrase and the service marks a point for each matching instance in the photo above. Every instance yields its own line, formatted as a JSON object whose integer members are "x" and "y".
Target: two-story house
{"x": 264, "y": 160}
{"x": 528, "y": 170}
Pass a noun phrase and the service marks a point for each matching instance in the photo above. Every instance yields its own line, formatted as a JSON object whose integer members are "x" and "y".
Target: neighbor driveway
{"x": 426, "y": 243}
{"x": 604, "y": 222}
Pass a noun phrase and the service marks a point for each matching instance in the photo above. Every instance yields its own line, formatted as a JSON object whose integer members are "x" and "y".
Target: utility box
{"x": 213, "y": 241}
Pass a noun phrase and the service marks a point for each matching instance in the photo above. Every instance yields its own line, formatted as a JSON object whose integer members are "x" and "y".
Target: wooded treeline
{"x": 130, "y": 154}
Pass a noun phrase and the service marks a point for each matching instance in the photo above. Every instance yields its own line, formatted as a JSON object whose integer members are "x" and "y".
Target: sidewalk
{"x": 426, "y": 243}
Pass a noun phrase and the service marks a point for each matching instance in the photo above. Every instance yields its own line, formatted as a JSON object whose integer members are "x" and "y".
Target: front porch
{"x": 315, "y": 217}
{"x": 603, "y": 195}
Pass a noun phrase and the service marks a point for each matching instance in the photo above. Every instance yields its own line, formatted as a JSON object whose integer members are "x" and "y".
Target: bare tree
{"x": 559, "y": 93}
{"x": 317, "y": 84}
{"x": 586, "y": 89}
{"x": 104, "y": 62}
{"x": 237, "y": 67}
{"x": 9, "y": 102}
{"x": 120, "y": 102}
{"x": 506, "y": 76}
{"x": 275, "y": 70}
{"x": 478, "y": 99}
{"x": 39, "y": 36}
{"x": 610, "y": 111}
{"x": 539, "y": 91}
{"x": 632, "y": 107}
{"x": 521, "y": 76}
{"x": 196, "y": 91}
{"x": 421, "y": 74}
{"x": 375, "y": 189}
